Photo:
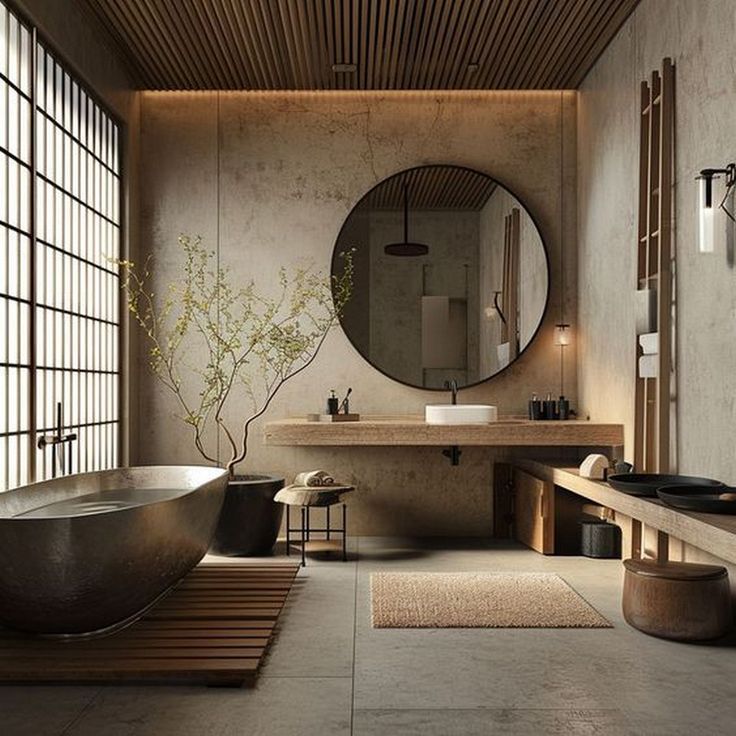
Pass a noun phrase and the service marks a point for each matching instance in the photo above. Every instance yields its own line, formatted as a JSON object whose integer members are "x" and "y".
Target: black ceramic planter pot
{"x": 250, "y": 519}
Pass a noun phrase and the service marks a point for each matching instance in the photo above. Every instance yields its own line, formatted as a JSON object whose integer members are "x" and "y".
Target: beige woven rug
{"x": 478, "y": 600}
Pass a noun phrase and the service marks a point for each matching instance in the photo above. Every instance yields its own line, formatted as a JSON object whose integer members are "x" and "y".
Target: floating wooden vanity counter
{"x": 713, "y": 533}
{"x": 402, "y": 431}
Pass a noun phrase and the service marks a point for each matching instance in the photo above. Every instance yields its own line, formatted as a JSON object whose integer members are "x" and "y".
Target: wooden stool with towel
{"x": 309, "y": 489}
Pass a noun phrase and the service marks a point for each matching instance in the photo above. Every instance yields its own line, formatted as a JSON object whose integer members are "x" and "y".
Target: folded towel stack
{"x": 313, "y": 488}
{"x": 314, "y": 478}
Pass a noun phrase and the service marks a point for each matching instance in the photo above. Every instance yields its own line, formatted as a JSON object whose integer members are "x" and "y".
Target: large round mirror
{"x": 451, "y": 276}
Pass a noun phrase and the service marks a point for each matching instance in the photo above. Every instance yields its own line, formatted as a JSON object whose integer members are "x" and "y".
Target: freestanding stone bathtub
{"x": 88, "y": 553}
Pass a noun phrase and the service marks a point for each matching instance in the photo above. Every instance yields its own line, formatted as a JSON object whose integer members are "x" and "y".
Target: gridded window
{"x": 59, "y": 228}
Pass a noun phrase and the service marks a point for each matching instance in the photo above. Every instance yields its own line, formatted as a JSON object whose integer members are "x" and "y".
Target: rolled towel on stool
{"x": 314, "y": 479}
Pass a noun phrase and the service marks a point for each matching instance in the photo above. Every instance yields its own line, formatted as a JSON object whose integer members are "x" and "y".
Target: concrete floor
{"x": 329, "y": 672}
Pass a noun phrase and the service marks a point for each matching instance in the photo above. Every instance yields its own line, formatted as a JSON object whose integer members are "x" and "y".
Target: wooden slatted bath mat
{"x": 214, "y": 627}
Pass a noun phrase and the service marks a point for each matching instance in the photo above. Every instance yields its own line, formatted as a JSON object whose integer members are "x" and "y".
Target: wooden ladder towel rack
{"x": 653, "y": 426}
{"x": 652, "y": 433}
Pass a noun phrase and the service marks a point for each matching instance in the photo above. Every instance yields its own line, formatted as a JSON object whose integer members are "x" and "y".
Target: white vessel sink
{"x": 460, "y": 414}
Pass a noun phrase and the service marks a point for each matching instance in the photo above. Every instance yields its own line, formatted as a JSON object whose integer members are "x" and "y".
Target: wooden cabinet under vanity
{"x": 536, "y": 512}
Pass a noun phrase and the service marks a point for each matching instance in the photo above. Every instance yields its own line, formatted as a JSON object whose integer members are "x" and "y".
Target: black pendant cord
{"x": 406, "y": 213}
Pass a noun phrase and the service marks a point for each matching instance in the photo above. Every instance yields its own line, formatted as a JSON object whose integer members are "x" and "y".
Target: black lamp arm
{"x": 497, "y": 308}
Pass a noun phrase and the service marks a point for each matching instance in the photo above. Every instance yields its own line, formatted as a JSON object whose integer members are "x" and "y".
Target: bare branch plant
{"x": 254, "y": 342}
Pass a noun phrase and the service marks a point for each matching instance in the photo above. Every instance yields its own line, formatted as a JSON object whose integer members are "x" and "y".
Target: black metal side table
{"x": 306, "y": 530}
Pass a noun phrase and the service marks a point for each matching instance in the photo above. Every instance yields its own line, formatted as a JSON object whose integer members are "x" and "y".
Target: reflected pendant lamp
{"x": 406, "y": 248}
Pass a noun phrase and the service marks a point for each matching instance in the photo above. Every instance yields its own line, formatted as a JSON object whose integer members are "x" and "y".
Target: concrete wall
{"x": 698, "y": 37}
{"x": 270, "y": 178}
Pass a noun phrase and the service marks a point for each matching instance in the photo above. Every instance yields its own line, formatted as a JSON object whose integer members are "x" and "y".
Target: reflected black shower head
{"x": 406, "y": 249}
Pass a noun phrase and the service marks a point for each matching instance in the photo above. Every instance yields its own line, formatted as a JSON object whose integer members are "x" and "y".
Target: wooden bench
{"x": 715, "y": 534}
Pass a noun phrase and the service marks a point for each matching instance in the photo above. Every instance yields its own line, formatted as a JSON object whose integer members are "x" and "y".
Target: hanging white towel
{"x": 649, "y": 343}
{"x": 648, "y": 365}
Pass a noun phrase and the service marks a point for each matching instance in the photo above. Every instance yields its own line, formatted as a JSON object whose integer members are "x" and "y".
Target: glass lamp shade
{"x": 562, "y": 335}
{"x": 706, "y": 215}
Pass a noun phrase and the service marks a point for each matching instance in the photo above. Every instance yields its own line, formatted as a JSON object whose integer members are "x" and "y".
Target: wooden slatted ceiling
{"x": 394, "y": 44}
{"x": 433, "y": 188}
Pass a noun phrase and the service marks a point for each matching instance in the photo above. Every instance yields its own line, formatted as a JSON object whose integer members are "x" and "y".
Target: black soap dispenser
{"x": 332, "y": 403}
{"x": 535, "y": 408}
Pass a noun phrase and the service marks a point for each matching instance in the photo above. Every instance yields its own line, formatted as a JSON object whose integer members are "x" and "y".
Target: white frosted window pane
{"x": 11, "y": 335}
{"x": 50, "y": 328}
{"x": 5, "y": 286}
{"x": 25, "y": 130}
{"x": 3, "y": 399}
{"x": 68, "y": 246}
{"x": 12, "y": 122}
{"x": 4, "y": 310}
{"x": 3, "y": 39}
{"x": 24, "y": 356}
{"x": 40, "y": 343}
{"x": 12, "y": 469}
{"x": 23, "y": 394}
{"x": 25, "y": 62}
{"x": 4, "y": 92}
{"x": 13, "y": 407}
{"x": 13, "y": 50}
{"x": 24, "y": 259}
{"x": 24, "y": 468}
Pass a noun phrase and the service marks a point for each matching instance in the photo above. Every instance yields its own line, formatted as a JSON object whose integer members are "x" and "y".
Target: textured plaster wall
{"x": 698, "y": 36}
{"x": 271, "y": 177}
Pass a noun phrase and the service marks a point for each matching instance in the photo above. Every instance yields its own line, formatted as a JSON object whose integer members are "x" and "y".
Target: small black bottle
{"x": 332, "y": 403}
{"x": 563, "y": 408}
{"x": 535, "y": 408}
{"x": 549, "y": 408}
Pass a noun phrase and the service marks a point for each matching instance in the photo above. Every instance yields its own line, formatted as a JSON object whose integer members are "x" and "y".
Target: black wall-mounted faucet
{"x": 452, "y": 386}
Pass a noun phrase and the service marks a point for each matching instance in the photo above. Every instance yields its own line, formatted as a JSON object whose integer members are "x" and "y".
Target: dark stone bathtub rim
{"x": 19, "y": 518}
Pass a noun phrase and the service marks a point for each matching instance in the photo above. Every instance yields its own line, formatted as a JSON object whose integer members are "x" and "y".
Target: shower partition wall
{"x": 60, "y": 184}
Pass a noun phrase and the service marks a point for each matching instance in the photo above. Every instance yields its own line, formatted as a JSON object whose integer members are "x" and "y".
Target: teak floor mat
{"x": 214, "y": 627}
{"x": 478, "y": 600}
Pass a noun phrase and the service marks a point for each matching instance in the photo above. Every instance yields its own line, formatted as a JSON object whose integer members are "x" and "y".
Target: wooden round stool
{"x": 677, "y": 600}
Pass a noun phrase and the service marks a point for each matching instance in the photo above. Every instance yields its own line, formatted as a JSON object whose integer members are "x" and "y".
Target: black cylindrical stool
{"x": 677, "y": 600}
{"x": 600, "y": 539}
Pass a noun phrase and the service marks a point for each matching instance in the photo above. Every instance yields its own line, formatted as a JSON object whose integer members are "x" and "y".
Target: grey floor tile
{"x": 483, "y": 721}
{"x": 284, "y": 706}
{"x": 315, "y": 632}
{"x": 39, "y": 710}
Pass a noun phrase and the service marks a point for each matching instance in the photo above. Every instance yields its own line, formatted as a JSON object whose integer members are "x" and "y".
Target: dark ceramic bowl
{"x": 646, "y": 484}
{"x": 699, "y": 498}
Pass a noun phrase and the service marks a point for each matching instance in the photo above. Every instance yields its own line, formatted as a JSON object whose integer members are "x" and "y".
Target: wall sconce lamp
{"x": 562, "y": 340}
{"x": 706, "y": 211}
{"x": 562, "y": 335}
{"x": 491, "y": 312}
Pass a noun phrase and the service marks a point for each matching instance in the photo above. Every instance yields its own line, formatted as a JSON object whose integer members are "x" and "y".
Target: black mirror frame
{"x": 335, "y": 259}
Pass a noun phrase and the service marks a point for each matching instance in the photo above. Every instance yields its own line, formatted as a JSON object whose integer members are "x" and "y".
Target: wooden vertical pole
{"x": 664, "y": 266}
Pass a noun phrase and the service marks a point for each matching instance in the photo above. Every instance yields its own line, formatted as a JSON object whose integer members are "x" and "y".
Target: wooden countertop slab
{"x": 714, "y": 533}
{"x": 402, "y": 431}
